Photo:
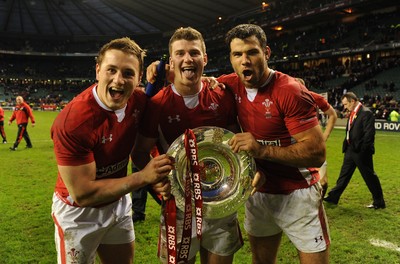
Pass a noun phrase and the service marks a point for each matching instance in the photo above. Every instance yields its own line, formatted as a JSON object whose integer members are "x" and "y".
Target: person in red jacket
{"x": 22, "y": 113}
{"x": 2, "y": 132}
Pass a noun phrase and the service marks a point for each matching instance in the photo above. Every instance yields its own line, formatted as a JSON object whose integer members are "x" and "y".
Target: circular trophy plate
{"x": 225, "y": 176}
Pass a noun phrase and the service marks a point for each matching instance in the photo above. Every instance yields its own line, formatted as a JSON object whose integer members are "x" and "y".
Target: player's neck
{"x": 187, "y": 90}
{"x": 266, "y": 78}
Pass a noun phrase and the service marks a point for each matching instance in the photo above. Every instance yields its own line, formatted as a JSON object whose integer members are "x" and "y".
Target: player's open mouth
{"x": 115, "y": 93}
{"x": 247, "y": 74}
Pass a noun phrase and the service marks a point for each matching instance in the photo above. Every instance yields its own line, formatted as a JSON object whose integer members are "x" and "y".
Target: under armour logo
{"x": 318, "y": 239}
{"x": 238, "y": 98}
{"x": 135, "y": 115}
{"x": 105, "y": 139}
{"x": 176, "y": 118}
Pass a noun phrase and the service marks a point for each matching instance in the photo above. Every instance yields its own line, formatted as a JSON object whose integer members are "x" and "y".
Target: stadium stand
{"x": 335, "y": 46}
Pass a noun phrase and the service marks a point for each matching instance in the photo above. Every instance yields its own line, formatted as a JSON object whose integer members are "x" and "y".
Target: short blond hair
{"x": 187, "y": 33}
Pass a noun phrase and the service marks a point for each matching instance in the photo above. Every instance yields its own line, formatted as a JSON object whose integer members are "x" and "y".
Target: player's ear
{"x": 205, "y": 59}
{"x": 267, "y": 52}
{"x": 97, "y": 71}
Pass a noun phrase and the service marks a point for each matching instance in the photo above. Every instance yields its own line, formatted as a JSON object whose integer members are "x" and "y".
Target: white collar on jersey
{"x": 191, "y": 101}
{"x": 120, "y": 113}
{"x": 252, "y": 92}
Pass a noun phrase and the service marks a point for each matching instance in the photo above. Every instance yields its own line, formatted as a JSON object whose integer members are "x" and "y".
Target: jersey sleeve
{"x": 71, "y": 134}
{"x": 231, "y": 81}
{"x": 320, "y": 101}
{"x": 30, "y": 113}
{"x": 298, "y": 107}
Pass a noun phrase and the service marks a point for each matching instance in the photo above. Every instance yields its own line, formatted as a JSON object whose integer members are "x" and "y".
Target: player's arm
{"x": 141, "y": 156}
{"x": 308, "y": 151}
{"x": 332, "y": 117}
{"x": 151, "y": 72}
{"x": 86, "y": 190}
{"x": 12, "y": 118}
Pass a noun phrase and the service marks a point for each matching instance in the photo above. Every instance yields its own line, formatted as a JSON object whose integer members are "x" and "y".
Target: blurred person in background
{"x": 322, "y": 105}
{"x": 394, "y": 115}
{"x": 358, "y": 148}
{"x": 2, "y": 132}
{"x": 22, "y": 113}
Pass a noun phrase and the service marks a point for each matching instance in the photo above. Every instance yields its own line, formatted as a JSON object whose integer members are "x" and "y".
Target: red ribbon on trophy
{"x": 192, "y": 188}
{"x": 170, "y": 229}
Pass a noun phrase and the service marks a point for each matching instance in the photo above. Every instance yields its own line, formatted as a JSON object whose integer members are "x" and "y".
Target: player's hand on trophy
{"x": 158, "y": 168}
{"x": 247, "y": 142}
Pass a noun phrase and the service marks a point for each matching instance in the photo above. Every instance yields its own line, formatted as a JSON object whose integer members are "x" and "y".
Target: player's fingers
{"x": 151, "y": 71}
{"x": 257, "y": 182}
{"x": 220, "y": 85}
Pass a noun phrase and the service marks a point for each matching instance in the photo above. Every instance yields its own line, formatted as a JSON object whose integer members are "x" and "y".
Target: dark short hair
{"x": 244, "y": 31}
{"x": 350, "y": 96}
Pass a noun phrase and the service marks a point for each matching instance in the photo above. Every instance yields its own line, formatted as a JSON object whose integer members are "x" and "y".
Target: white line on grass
{"x": 384, "y": 244}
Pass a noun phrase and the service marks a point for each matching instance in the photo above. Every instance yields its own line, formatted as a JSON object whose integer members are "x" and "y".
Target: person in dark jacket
{"x": 358, "y": 149}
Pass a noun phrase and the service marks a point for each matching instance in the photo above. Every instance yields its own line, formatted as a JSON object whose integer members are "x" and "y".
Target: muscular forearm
{"x": 307, "y": 151}
{"x": 300, "y": 154}
{"x": 86, "y": 190}
{"x": 107, "y": 190}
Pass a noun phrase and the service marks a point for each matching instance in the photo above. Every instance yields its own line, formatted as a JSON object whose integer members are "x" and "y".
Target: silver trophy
{"x": 226, "y": 176}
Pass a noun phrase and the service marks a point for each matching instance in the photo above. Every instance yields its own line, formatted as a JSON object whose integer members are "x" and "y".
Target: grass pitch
{"x": 359, "y": 235}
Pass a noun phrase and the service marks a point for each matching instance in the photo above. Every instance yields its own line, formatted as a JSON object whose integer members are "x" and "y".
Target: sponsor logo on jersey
{"x": 276, "y": 142}
{"x": 111, "y": 169}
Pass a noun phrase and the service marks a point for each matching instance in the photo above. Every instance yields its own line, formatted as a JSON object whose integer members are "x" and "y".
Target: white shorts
{"x": 80, "y": 230}
{"x": 300, "y": 215}
{"x": 219, "y": 236}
